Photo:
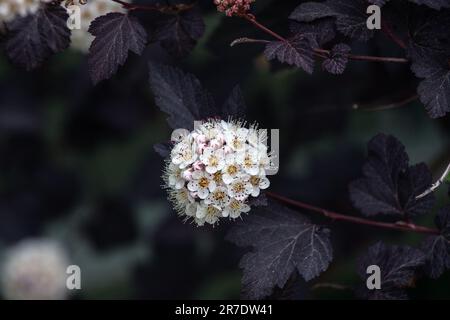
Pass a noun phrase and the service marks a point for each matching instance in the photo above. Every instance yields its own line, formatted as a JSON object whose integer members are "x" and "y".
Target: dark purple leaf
{"x": 337, "y": 62}
{"x": 179, "y": 33}
{"x": 350, "y": 15}
{"x": 115, "y": 35}
{"x": 434, "y": 90}
{"x": 318, "y": 32}
{"x": 235, "y": 106}
{"x": 435, "y": 4}
{"x": 296, "y": 51}
{"x": 437, "y": 248}
{"x": 398, "y": 266}
{"x": 181, "y": 96}
{"x": 390, "y": 185}
{"x": 283, "y": 241}
{"x": 33, "y": 38}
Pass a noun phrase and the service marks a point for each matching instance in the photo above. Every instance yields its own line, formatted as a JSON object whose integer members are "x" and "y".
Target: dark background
{"x": 77, "y": 161}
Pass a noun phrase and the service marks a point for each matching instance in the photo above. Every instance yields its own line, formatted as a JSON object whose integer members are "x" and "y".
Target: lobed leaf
{"x": 283, "y": 242}
{"x": 390, "y": 185}
{"x": 398, "y": 265}
{"x": 35, "y": 37}
{"x": 296, "y": 51}
{"x": 437, "y": 248}
{"x": 179, "y": 33}
{"x": 115, "y": 35}
{"x": 350, "y": 16}
{"x": 338, "y": 59}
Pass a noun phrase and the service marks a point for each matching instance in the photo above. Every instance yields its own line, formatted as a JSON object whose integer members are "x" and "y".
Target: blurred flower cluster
{"x": 10, "y": 9}
{"x": 35, "y": 269}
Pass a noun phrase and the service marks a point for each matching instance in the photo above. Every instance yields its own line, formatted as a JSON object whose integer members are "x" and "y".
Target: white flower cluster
{"x": 81, "y": 39}
{"x": 10, "y": 9}
{"x": 35, "y": 270}
{"x": 214, "y": 170}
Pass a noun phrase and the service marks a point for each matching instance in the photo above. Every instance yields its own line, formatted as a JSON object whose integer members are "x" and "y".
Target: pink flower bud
{"x": 187, "y": 174}
{"x": 198, "y": 165}
{"x": 201, "y": 147}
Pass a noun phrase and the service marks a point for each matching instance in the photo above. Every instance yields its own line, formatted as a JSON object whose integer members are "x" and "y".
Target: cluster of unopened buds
{"x": 216, "y": 169}
{"x": 233, "y": 7}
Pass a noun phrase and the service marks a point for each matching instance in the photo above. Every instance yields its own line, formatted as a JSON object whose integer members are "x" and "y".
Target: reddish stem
{"x": 156, "y": 7}
{"x": 387, "y": 30}
{"x": 402, "y": 226}
{"x": 394, "y": 105}
{"x": 319, "y": 52}
{"x": 378, "y": 59}
{"x": 252, "y": 19}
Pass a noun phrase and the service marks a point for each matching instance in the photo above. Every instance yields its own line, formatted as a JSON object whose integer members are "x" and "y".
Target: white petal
{"x": 201, "y": 212}
{"x": 225, "y": 212}
{"x": 242, "y": 133}
{"x": 197, "y": 175}
{"x": 227, "y": 179}
{"x": 179, "y": 184}
{"x": 241, "y": 196}
{"x": 245, "y": 208}
{"x": 172, "y": 180}
{"x": 192, "y": 185}
{"x": 212, "y": 186}
{"x": 235, "y": 214}
{"x": 253, "y": 170}
{"x": 203, "y": 193}
{"x": 248, "y": 188}
{"x": 211, "y": 169}
{"x": 264, "y": 183}
{"x": 255, "y": 192}
{"x": 191, "y": 209}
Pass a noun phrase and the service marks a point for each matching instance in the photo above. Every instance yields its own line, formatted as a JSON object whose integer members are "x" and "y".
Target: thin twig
{"x": 377, "y": 59}
{"x": 169, "y": 9}
{"x": 437, "y": 184}
{"x": 387, "y": 30}
{"x": 400, "y": 225}
{"x": 252, "y": 20}
{"x": 248, "y": 40}
{"x": 320, "y": 52}
{"x": 394, "y": 105}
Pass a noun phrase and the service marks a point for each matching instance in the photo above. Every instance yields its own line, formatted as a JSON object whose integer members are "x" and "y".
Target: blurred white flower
{"x": 81, "y": 39}
{"x": 35, "y": 269}
{"x": 11, "y": 9}
{"x": 214, "y": 169}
